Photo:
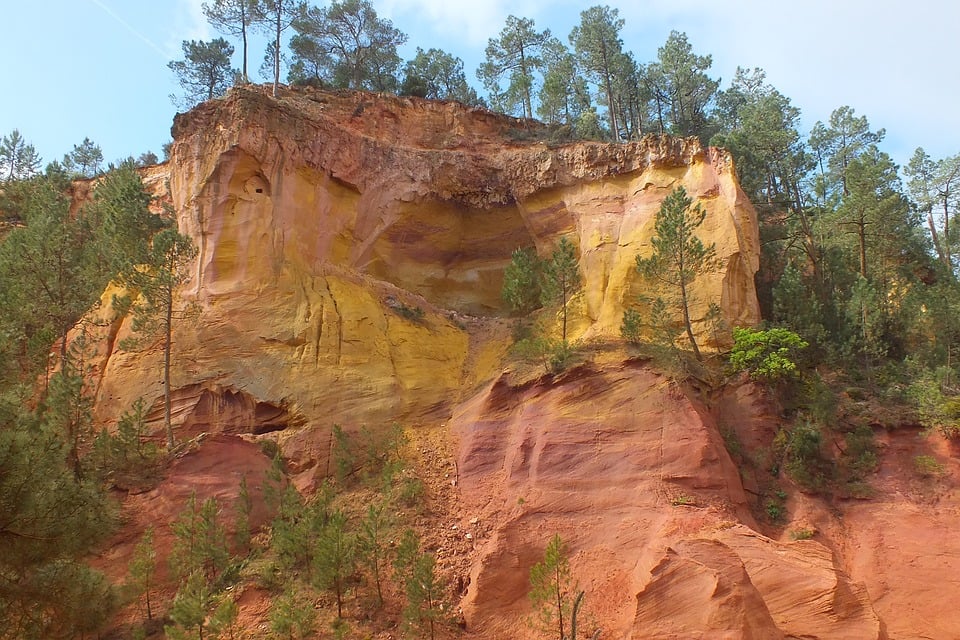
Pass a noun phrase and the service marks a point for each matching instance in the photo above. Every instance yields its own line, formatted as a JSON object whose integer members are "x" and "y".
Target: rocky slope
{"x": 351, "y": 255}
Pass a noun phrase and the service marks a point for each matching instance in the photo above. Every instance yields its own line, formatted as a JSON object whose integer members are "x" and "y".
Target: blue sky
{"x": 98, "y": 68}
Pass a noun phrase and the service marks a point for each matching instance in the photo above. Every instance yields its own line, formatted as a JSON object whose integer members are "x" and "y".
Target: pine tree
{"x": 242, "y": 509}
{"x": 678, "y": 255}
{"x": 278, "y": 15}
{"x": 335, "y": 560}
{"x": 596, "y": 41}
{"x": 552, "y": 591}
{"x": 292, "y": 617}
{"x": 372, "y": 544}
{"x": 204, "y": 73}
{"x": 190, "y": 608}
{"x": 170, "y": 254}
{"x": 143, "y": 568}
{"x": 424, "y": 609}
{"x": 18, "y": 158}
{"x": 561, "y": 278}
{"x": 85, "y": 159}
{"x": 234, "y": 18}
{"x": 521, "y": 283}
{"x": 515, "y": 54}
{"x": 200, "y": 544}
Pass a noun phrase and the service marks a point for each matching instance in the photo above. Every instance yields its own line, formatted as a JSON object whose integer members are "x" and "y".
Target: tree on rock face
{"x": 234, "y": 17}
{"x": 170, "y": 253}
{"x": 679, "y": 256}
{"x": 347, "y": 45}
{"x": 204, "y": 73}
{"x": 278, "y": 16}
{"x": 682, "y": 89}
{"x": 555, "y": 597}
{"x": 516, "y": 54}
{"x": 437, "y": 75}
{"x": 84, "y": 160}
{"x": 564, "y": 95}
{"x": 561, "y": 278}
{"x": 521, "y": 282}
{"x": 599, "y": 48}
{"x": 18, "y": 158}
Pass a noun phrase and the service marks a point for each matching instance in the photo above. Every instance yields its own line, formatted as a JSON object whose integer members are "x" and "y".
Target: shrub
{"x": 632, "y": 326}
{"x": 928, "y": 467}
{"x": 766, "y": 355}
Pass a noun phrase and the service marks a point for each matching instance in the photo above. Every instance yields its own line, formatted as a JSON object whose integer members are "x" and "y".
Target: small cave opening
{"x": 233, "y": 411}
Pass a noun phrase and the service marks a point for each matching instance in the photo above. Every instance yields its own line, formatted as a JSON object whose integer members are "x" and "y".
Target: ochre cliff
{"x": 321, "y": 218}
{"x": 351, "y": 256}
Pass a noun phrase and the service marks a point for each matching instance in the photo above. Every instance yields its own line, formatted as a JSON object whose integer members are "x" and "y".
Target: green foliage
{"x": 346, "y": 45}
{"x": 927, "y": 466}
{"x": 521, "y": 282}
{"x": 298, "y": 524}
{"x": 424, "y": 608}
{"x": 768, "y": 355}
{"x": 678, "y": 255}
{"x": 405, "y": 556}
{"x": 937, "y": 400}
{"x": 154, "y": 309}
{"x": 204, "y": 73}
{"x": 372, "y": 544}
{"x": 241, "y": 520}
{"x": 142, "y": 570}
{"x": 775, "y": 509}
{"x": 369, "y": 454}
{"x": 191, "y": 607}
{"x": 859, "y": 457}
{"x": 223, "y": 621}
{"x": 334, "y": 562}
{"x": 554, "y": 355}
{"x": 516, "y": 55}
{"x": 802, "y": 534}
{"x": 18, "y": 158}
{"x": 803, "y": 457}
{"x": 234, "y": 18}
{"x": 200, "y": 544}
{"x": 437, "y": 75}
{"x": 553, "y": 593}
{"x": 561, "y": 278}
{"x": 84, "y": 161}
{"x": 598, "y": 49}
{"x": 631, "y": 327}
{"x": 564, "y": 97}
{"x": 124, "y": 457}
{"x": 121, "y": 212}
{"x": 681, "y": 87}
{"x": 413, "y": 314}
{"x": 292, "y": 616}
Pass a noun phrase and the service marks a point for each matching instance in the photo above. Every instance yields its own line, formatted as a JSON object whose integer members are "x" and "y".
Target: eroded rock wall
{"x": 349, "y": 242}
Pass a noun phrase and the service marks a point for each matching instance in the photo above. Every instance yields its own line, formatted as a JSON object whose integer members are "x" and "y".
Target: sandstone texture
{"x": 349, "y": 242}
{"x": 351, "y": 255}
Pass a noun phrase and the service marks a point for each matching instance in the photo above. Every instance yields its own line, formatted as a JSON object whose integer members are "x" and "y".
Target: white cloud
{"x": 189, "y": 24}
{"x": 470, "y": 23}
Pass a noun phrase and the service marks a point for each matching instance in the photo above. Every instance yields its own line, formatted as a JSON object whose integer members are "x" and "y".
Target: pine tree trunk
{"x": 276, "y": 54}
{"x": 686, "y": 320}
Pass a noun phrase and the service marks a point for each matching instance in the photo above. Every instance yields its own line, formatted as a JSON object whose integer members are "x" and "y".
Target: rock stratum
{"x": 351, "y": 255}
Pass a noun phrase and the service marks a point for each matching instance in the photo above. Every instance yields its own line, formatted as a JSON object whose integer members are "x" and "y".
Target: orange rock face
{"x": 633, "y": 475}
{"x": 351, "y": 256}
{"x": 347, "y": 242}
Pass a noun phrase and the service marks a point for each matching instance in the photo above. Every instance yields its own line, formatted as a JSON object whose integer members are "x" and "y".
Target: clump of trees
{"x": 530, "y": 282}
{"x": 55, "y": 464}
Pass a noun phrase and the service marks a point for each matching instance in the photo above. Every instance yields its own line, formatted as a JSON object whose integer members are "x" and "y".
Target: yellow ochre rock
{"x": 352, "y": 249}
